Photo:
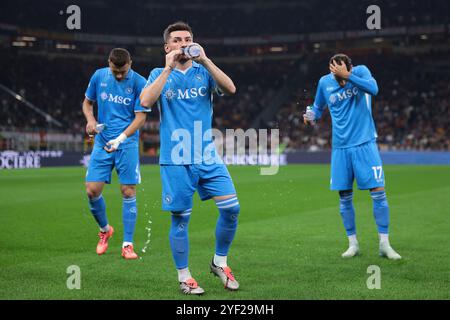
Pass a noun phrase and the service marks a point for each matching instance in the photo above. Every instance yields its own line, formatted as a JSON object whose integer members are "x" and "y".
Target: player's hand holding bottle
{"x": 309, "y": 116}
{"x": 90, "y": 128}
{"x": 172, "y": 57}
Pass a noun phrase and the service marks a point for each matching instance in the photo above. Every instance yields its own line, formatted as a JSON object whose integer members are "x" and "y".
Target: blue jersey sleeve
{"x": 320, "y": 102}
{"x": 139, "y": 84}
{"x": 153, "y": 75}
{"x": 91, "y": 91}
{"x": 362, "y": 78}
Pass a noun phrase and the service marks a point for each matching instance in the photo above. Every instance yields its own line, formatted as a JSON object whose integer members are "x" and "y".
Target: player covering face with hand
{"x": 183, "y": 90}
{"x": 116, "y": 90}
{"x": 348, "y": 91}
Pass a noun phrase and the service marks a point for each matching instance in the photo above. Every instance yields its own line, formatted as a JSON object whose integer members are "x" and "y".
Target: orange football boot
{"x": 102, "y": 244}
{"x": 128, "y": 252}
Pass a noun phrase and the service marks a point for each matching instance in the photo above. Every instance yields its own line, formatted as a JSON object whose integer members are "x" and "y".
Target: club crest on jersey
{"x": 168, "y": 198}
{"x": 198, "y": 77}
{"x": 129, "y": 90}
{"x": 103, "y": 96}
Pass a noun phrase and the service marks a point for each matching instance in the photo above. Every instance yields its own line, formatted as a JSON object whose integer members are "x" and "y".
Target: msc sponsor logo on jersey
{"x": 346, "y": 94}
{"x": 186, "y": 94}
{"x": 115, "y": 98}
{"x": 170, "y": 94}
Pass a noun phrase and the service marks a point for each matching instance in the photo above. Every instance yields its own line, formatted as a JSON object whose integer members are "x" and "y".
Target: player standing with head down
{"x": 348, "y": 91}
{"x": 184, "y": 90}
{"x": 116, "y": 90}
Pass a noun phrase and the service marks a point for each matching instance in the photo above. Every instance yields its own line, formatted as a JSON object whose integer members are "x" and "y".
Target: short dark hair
{"x": 177, "y": 26}
{"x": 340, "y": 57}
{"x": 119, "y": 57}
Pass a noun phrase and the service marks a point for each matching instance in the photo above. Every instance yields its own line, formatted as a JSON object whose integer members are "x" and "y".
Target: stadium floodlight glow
{"x": 276, "y": 49}
{"x": 26, "y": 38}
{"x": 65, "y": 46}
{"x": 423, "y": 37}
{"x": 19, "y": 44}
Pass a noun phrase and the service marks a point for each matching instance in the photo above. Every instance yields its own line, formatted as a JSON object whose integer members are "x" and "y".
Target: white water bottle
{"x": 100, "y": 127}
{"x": 192, "y": 51}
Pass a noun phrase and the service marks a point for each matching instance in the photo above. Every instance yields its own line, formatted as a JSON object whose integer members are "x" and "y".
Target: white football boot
{"x": 387, "y": 251}
{"x": 191, "y": 286}
{"x": 226, "y": 276}
{"x": 353, "y": 250}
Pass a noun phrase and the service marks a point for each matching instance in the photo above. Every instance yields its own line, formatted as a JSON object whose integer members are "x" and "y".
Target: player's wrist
{"x": 122, "y": 137}
{"x": 204, "y": 61}
{"x": 347, "y": 76}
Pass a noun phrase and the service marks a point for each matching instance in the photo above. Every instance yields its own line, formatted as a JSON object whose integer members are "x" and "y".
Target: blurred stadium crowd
{"x": 411, "y": 111}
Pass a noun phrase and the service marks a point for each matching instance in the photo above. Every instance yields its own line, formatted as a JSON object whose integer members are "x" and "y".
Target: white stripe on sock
{"x": 97, "y": 198}
{"x": 228, "y": 206}
{"x": 225, "y": 201}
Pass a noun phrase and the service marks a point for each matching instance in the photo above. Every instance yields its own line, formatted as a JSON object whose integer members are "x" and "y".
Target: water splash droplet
{"x": 149, "y": 231}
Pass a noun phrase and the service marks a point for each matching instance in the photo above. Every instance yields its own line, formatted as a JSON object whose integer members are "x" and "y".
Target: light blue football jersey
{"x": 350, "y": 107}
{"x": 117, "y": 102}
{"x": 186, "y": 110}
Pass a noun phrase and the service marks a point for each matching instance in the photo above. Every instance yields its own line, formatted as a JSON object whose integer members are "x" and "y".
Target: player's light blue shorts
{"x": 126, "y": 162}
{"x": 179, "y": 183}
{"x": 362, "y": 162}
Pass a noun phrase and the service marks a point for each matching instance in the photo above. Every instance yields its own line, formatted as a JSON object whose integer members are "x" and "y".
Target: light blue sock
{"x": 380, "y": 210}
{"x": 98, "y": 209}
{"x": 347, "y": 212}
{"x": 226, "y": 224}
{"x": 178, "y": 237}
{"x": 129, "y": 214}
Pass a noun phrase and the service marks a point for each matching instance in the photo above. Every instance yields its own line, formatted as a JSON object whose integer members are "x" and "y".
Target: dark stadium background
{"x": 275, "y": 51}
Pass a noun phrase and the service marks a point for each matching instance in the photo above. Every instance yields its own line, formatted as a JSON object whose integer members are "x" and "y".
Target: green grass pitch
{"x": 288, "y": 243}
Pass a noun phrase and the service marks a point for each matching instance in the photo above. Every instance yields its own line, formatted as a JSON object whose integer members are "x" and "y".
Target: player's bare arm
{"x": 137, "y": 123}
{"x": 366, "y": 82}
{"x": 88, "y": 111}
{"x": 151, "y": 94}
{"x": 223, "y": 81}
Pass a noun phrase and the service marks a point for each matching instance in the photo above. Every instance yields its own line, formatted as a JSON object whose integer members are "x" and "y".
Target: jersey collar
{"x": 129, "y": 74}
{"x": 194, "y": 65}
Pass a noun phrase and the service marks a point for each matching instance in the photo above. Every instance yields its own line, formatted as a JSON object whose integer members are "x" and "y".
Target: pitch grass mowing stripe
{"x": 287, "y": 246}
